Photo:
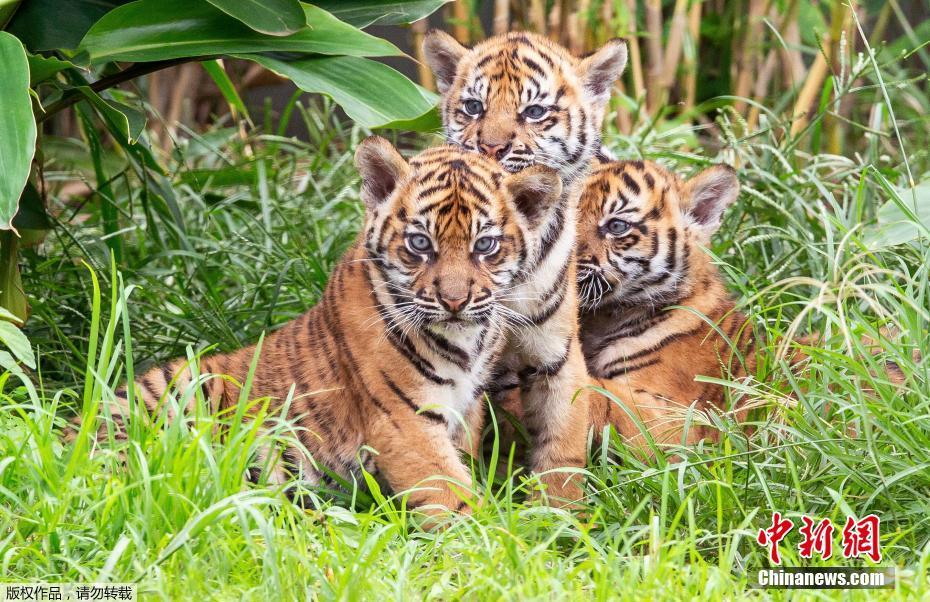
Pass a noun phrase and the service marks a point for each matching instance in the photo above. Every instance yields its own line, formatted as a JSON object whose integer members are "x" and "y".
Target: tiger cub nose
{"x": 497, "y": 150}
{"x": 453, "y": 304}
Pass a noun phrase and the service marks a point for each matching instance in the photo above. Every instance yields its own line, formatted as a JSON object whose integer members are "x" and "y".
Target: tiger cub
{"x": 644, "y": 282}
{"x": 524, "y": 101}
{"x": 395, "y": 355}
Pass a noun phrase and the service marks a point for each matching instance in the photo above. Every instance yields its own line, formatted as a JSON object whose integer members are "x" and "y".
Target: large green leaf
{"x": 123, "y": 121}
{"x": 14, "y": 339}
{"x": 57, "y": 24}
{"x": 363, "y": 13}
{"x": 17, "y": 126}
{"x": 42, "y": 68}
{"x": 31, "y": 214}
{"x": 273, "y": 17}
{"x": 372, "y": 94}
{"x": 903, "y": 219}
{"x": 154, "y": 30}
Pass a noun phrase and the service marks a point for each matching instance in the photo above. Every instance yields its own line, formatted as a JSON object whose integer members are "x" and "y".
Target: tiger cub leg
{"x": 508, "y": 406}
{"x": 418, "y": 454}
{"x": 556, "y": 415}
{"x": 467, "y": 436}
{"x": 149, "y": 393}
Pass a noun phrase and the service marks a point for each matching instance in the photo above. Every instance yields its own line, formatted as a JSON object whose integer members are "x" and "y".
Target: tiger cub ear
{"x": 601, "y": 69}
{"x": 381, "y": 168}
{"x": 706, "y": 196}
{"x": 442, "y": 53}
{"x": 534, "y": 191}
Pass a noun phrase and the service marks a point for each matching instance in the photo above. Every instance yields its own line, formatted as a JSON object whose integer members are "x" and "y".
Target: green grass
{"x": 240, "y": 237}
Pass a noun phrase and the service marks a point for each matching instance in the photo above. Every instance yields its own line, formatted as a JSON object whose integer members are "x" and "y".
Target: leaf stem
{"x": 132, "y": 72}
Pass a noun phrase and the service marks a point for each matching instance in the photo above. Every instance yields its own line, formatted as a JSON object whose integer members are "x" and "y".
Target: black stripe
{"x": 378, "y": 404}
{"x": 632, "y": 184}
{"x": 167, "y": 374}
{"x": 627, "y": 369}
{"x": 402, "y": 344}
{"x": 552, "y": 369}
{"x": 650, "y": 181}
{"x": 553, "y": 232}
{"x": 534, "y": 66}
{"x": 631, "y": 328}
{"x": 433, "y": 416}
{"x": 448, "y": 350}
{"x": 556, "y": 293}
{"x": 665, "y": 341}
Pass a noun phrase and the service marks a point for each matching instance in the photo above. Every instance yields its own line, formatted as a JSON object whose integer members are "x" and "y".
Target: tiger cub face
{"x": 524, "y": 100}
{"x": 449, "y": 230}
{"x": 637, "y": 226}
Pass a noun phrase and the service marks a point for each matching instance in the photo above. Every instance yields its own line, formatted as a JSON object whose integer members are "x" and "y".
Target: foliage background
{"x": 213, "y": 223}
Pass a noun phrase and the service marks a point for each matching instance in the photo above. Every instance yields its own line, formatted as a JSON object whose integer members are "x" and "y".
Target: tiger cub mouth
{"x": 593, "y": 285}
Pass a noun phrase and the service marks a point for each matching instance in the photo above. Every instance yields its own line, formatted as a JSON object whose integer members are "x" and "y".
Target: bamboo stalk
{"x": 747, "y": 61}
{"x": 575, "y": 29}
{"x": 811, "y": 88}
{"x": 840, "y": 30}
{"x": 186, "y": 80}
{"x": 792, "y": 62}
{"x": 694, "y": 34}
{"x": 607, "y": 18}
{"x": 624, "y": 121}
{"x": 555, "y": 21}
{"x": 501, "y": 16}
{"x": 761, "y": 87}
{"x": 881, "y": 24}
{"x": 675, "y": 43}
{"x": 635, "y": 58}
{"x": 460, "y": 19}
{"x": 654, "y": 46}
{"x": 424, "y": 73}
{"x": 537, "y": 16}
{"x": 155, "y": 94}
{"x": 574, "y": 35}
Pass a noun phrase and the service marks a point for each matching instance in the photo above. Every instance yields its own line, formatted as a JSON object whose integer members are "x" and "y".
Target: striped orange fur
{"x": 645, "y": 284}
{"x": 396, "y": 354}
{"x": 656, "y": 313}
{"x": 526, "y": 101}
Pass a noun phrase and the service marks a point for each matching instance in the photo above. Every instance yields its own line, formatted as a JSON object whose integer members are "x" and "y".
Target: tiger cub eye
{"x": 473, "y": 107}
{"x": 420, "y": 243}
{"x": 535, "y": 112}
{"x": 618, "y": 226}
{"x": 486, "y": 245}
